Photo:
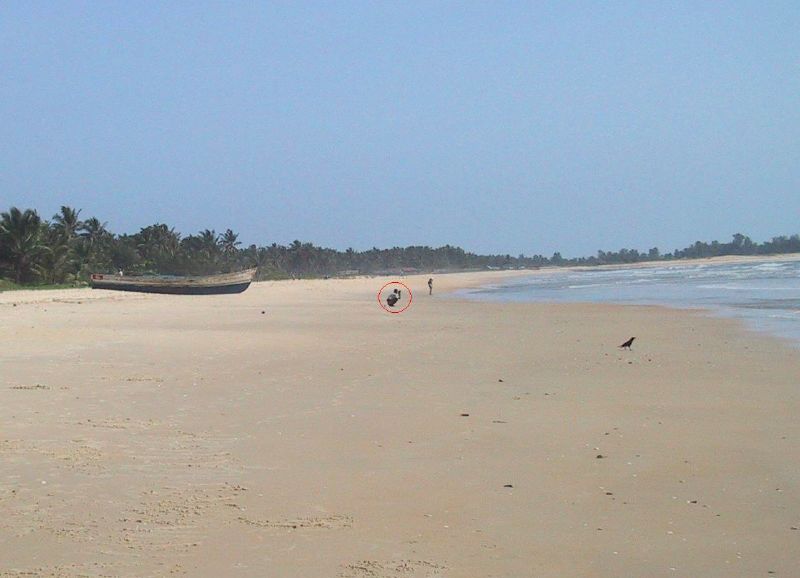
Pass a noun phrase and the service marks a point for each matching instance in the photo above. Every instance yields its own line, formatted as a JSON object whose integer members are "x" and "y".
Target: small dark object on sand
{"x": 508, "y": 486}
{"x": 600, "y": 456}
{"x": 464, "y": 415}
{"x": 627, "y": 344}
{"x": 263, "y": 312}
{"x": 500, "y": 381}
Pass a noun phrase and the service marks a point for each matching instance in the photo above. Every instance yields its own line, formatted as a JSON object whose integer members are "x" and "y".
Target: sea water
{"x": 766, "y": 295}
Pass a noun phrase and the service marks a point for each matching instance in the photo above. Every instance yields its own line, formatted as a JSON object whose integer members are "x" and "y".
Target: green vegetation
{"x": 66, "y": 250}
{"x": 6, "y": 285}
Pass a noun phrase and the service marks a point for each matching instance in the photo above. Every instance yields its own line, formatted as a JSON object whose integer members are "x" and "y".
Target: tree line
{"x": 67, "y": 249}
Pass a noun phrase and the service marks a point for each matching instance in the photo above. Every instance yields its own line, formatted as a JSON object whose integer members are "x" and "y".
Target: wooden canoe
{"x": 201, "y": 285}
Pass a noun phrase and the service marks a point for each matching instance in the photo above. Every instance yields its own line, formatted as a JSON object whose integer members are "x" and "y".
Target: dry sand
{"x": 145, "y": 436}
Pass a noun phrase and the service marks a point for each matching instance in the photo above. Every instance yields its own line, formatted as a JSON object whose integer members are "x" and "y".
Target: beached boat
{"x": 207, "y": 285}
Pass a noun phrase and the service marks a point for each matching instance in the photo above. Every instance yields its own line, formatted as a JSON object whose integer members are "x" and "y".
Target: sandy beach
{"x": 298, "y": 430}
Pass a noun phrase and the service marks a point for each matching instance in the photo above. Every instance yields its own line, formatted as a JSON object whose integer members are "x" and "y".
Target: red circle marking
{"x": 410, "y": 297}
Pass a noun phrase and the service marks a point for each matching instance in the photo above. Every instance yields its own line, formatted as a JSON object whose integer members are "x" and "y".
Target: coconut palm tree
{"x": 159, "y": 247}
{"x": 93, "y": 231}
{"x": 228, "y": 242}
{"x": 209, "y": 249}
{"x": 67, "y": 222}
{"x": 21, "y": 238}
{"x": 209, "y": 241}
{"x": 124, "y": 255}
{"x": 60, "y": 260}
{"x": 95, "y": 246}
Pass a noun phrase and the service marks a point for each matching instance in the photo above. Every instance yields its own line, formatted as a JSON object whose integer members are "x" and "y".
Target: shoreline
{"x": 298, "y": 430}
{"x": 762, "y": 323}
{"x": 450, "y": 284}
{"x": 25, "y": 295}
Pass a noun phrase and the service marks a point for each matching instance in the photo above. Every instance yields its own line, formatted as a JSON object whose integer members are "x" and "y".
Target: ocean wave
{"x": 772, "y": 266}
{"x": 588, "y": 285}
{"x": 747, "y": 288}
{"x": 762, "y": 293}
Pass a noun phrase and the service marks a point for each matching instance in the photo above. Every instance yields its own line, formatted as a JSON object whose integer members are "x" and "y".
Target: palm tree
{"x": 261, "y": 258}
{"x": 94, "y": 247}
{"x": 60, "y": 259}
{"x": 228, "y": 242}
{"x": 277, "y": 256}
{"x": 209, "y": 249}
{"x": 209, "y": 241}
{"x": 298, "y": 257}
{"x": 93, "y": 231}
{"x": 159, "y": 247}
{"x": 124, "y": 255}
{"x": 67, "y": 222}
{"x": 21, "y": 237}
{"x": 201, "y": 252}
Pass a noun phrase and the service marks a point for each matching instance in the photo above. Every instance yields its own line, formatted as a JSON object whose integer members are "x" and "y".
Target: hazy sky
{"x": 497, "y": 126}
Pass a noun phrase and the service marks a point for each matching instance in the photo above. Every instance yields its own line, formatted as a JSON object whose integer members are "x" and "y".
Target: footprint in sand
{"x": 174, "y": 519}
{"x": 331, "y": 522}
{"x": 393, "y": 569}
{"x": 34, "y": 387}
{"x": 118, "y": 423}
{"x": 73, "y": 455}
{"x": 33, "y": 512}
{"x": 158, "y": 445}
{"x": 95, "y": 570}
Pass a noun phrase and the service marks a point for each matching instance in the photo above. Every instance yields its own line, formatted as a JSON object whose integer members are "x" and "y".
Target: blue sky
{"x": 502, "y": 127}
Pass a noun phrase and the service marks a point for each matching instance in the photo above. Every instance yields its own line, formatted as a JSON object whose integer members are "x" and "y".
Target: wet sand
{"x": 153, "y": 436}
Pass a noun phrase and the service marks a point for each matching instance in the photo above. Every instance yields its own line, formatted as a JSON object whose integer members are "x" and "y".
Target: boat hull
{"x": 194, "y": 290}
{"x": 213, "y": 285}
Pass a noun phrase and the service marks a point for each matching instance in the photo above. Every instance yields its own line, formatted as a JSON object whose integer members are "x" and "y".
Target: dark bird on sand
{"x": 627, "y": 344}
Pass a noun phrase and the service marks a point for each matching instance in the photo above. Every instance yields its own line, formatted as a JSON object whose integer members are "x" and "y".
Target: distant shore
{"x": 447, "y": 281}
{"x": 704, "y": 260}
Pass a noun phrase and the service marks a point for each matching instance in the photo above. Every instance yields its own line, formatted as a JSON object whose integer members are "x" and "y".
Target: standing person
{"x": 430, "y": 286}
